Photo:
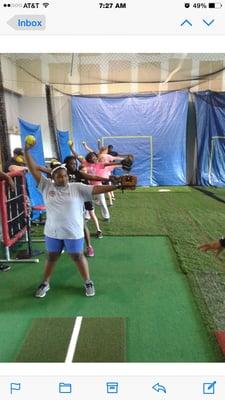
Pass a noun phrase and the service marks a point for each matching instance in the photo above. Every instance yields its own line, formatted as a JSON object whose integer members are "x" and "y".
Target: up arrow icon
{"x": 186, "y": 21}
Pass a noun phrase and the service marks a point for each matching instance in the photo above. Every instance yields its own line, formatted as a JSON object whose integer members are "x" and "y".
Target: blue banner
{"x": 64, "y": 149}
{"x": 152, "y": 128}
{"x": 210, "y": 116}
{"x": 37, "y": 153}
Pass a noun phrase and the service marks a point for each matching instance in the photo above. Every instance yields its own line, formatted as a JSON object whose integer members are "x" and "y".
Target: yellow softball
{"x": 30, "y": 140}
{"x": 20, "y": 159}
{"x": 70, "y": 142}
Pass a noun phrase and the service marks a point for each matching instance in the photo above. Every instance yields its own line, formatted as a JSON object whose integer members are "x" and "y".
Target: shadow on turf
{"x": 210, "y": 194}
{"x": 26, "y": 300}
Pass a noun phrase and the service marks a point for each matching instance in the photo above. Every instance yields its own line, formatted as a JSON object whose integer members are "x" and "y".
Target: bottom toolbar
{"x": 112, "y": 387}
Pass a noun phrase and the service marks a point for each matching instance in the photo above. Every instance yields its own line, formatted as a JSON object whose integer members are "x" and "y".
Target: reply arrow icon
{"x": 159, "y": 388}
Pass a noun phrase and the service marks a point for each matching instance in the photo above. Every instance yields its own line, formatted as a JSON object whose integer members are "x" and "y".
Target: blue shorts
{"x": 57, "y": 245}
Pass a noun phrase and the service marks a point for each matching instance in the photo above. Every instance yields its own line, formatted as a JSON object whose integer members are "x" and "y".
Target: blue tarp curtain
{"x": 210, "y": 116}
{"x": 63, "y": 137}
{"x": 37, "y": 153}
{"x": 152, "y": 128}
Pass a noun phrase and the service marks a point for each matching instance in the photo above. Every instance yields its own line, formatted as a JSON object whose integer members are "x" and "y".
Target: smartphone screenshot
{"x": 112, "y": 200}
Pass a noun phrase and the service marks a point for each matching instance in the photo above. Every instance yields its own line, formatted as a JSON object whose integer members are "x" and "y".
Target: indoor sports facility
{"x": 158, "y": 297}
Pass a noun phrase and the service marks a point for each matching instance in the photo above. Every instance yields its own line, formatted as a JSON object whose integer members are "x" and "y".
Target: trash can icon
{"x": 112, "y": 387}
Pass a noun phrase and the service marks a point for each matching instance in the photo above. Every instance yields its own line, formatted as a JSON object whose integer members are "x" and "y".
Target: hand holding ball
{"x": 70, "y": 143}
{"x": 20, "y": 159}
{"x": 30, "y": 141}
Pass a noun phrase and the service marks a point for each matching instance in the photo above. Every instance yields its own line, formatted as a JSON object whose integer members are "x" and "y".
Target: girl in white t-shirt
{"x": 64, "y": 227}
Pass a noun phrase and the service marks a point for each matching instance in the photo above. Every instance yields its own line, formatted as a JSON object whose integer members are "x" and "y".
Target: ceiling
{"x": 114, "y": 73}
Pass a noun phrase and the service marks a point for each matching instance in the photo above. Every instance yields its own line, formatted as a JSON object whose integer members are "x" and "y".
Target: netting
{"x": 114, "y": 73}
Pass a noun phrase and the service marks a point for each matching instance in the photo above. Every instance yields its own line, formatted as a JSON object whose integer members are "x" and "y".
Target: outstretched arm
{"x": 113, "y": 164}
{"x": 104, "y": 189}
{"x": 93, "y": 177}
{"x": 44, "y": 169}
{"x": 99, "y": 144}
{"x": 33, "y": 167}
{"x": 8, "y": 179}
{"x": 89, "y": 150}
{"x": 13, "y": 168}
{"x": 216, "y": 246}
{"x": 75, "y": 154}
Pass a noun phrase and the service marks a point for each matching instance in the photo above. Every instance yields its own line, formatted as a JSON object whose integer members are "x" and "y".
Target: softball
{"x": 30, "y": 140}
{"x": 20, "y": 159}
{"x": 70, "y": 142}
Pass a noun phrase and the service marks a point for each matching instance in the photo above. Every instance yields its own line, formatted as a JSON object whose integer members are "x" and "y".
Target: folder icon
{"x": 65, "y": 387}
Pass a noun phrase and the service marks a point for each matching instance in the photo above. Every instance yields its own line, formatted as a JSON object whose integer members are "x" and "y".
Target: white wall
{"x": 34, "y": 110}
{"x": 62, "y": 106}
{"x": 12, "y": 112}
{"x": 12, "y": 108}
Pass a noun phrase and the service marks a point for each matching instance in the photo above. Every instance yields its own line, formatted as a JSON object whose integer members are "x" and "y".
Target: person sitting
{"x": 16, "y": 162}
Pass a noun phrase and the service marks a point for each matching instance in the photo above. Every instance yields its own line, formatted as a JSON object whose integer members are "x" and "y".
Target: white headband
{"x": 62, "y": 166}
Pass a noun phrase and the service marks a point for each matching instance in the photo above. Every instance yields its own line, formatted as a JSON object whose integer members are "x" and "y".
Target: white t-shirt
{"x": 64, "y": 208}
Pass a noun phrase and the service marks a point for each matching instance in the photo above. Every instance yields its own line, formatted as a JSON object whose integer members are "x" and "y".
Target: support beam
{"x": 4, "y": 134}
{"x": 51, "y": 118}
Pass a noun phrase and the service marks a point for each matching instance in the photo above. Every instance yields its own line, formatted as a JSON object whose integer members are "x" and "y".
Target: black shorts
{"x": 88, "y": 205}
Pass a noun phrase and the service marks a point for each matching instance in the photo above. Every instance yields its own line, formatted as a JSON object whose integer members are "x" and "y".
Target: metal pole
{"x": 5, "y": 144}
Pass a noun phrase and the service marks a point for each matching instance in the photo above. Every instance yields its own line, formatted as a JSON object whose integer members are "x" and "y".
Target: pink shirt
{"x": 106, "y": 158}
{"x": 94, "y": 169}
{"x": 99, "y": 170}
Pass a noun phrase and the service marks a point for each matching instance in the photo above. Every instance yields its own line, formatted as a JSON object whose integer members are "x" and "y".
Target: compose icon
{"x": 209, "y": 387}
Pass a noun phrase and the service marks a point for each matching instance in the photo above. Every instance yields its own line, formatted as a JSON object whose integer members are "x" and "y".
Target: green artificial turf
{"x": 137, "y": 278}
{"x": 100, "y": 339}
{"x": 188, "y": 219}
{"x": 47, "y": 340}
{"x": 186, "y": 216}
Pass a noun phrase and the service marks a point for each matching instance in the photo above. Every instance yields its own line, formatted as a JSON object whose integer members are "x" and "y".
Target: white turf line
{"x": 73, "y": 340}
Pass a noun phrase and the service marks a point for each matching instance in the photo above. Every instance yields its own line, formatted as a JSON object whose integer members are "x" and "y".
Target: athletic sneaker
{"x": 99, "y": 235}
{"x": 4, "y": 268}
{"x": 90, "y": 251}
{"x": 89, "y": 289}
{"x": 42, "y": 289}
